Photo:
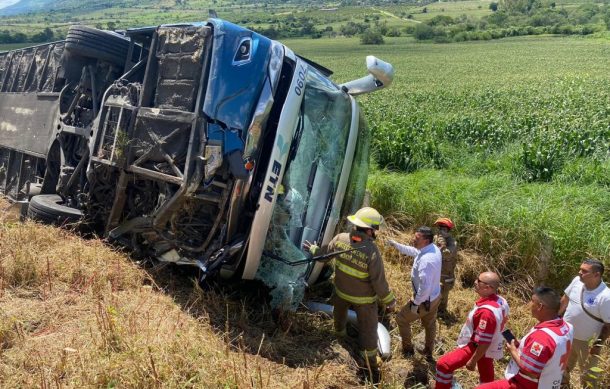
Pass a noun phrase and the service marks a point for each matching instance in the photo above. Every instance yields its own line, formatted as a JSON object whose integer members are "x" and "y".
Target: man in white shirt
{"x": 425, "y": 277}
{"x": 586, "y": 305}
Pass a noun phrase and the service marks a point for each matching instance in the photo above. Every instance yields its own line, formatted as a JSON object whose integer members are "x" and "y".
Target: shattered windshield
{"x": 354, "y": 193}
{"x": 305, "y": 196}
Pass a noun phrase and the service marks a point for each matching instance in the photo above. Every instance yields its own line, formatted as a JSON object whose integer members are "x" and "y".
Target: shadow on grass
{"x": 241, "y": 315}
{"x": 419, "y": 375}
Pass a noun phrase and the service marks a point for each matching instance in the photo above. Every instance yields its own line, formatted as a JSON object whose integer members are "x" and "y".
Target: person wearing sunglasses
{"x": 480, "y": 341}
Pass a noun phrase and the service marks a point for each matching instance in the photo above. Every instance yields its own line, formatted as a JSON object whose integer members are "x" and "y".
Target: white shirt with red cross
{"x": 544, "y": 353}
{"x": 485, "y": 324}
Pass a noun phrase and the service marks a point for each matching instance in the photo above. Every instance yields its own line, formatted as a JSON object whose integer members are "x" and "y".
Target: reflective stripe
{"x": 444, "y": 375}
{"x": 532, "y": 360}
{"x": 350, "y": 270}
{"x": 528, "y": 377}
{"x": 442, "y": 381}
{"x": 356, "y": 299}
{"x": 485, "y": 336}
{"x": 529, "y": 365}
{"x": 369, "y": 353}
{"x": 388, "y": 298}
{"x": 369, "y": 220}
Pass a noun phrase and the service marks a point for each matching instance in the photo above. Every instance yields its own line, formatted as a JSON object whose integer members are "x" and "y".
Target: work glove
{"x": 391, "y": 307}
{"x": 312, "y": 248}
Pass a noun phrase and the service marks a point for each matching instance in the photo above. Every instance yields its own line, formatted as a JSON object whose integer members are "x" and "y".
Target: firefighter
{"x": 446, "y": 243}
{"x": 360, "y": 282}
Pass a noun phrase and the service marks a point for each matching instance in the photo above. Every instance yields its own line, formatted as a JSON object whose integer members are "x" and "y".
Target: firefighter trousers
{"x": 458, "y": 358}
{"x": 446, "y": 287}
{"x": 367, "y": 326}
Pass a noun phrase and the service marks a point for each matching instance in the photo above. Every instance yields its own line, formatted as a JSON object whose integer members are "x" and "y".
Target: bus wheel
{"x": 99, "y": 44}
{"x": 50, "y": 209}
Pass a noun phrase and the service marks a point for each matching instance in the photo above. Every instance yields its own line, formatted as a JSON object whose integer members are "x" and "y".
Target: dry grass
{"x": 75, "y": 313}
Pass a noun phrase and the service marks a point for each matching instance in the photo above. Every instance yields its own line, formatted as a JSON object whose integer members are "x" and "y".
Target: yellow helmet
{"x": 366, "y": 217}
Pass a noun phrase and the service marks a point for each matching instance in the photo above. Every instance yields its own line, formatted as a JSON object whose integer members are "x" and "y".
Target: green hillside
{"x": 426, "y": 20}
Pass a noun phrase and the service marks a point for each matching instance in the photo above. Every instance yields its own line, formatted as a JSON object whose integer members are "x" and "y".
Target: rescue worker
{"x": 360, "y": 282}
{"x": 586, "y": 305}
{"x": 446, "y": 243}
{"x": 540, "y": 358}
{"x": 425, "y": 278}
{"x": 480, "y": 341}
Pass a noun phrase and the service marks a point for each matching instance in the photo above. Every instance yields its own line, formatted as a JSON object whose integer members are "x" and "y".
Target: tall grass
{"x": 537, "y": 232}
{"x": 75, "y": 313}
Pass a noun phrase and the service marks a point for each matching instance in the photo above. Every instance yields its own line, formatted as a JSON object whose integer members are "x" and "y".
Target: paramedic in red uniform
{"x": 480, "y": 341}
{"x": 540, "y": 358}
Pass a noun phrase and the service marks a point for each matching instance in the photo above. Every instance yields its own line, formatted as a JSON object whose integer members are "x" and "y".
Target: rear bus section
{"x": 200, "y": 144}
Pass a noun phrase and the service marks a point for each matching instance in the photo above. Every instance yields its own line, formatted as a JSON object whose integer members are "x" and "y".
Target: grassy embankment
{"x": 76, "y": 313}
{"x": 510, "y": 138}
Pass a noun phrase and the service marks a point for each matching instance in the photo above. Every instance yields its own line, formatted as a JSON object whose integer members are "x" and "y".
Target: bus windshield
{"x": 306, "y": 194}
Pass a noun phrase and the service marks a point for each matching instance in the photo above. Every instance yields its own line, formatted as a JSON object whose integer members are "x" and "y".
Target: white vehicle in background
{"x": 202, "y": 144}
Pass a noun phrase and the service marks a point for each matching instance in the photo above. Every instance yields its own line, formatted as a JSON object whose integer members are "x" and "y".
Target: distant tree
{"x": 371, "y": 37}
{"x": 381, "y": 27}
{"x": 20, "y": 38}
{"x": 393, "y": 31}
{"x": 499, "y": 18}
{"x": 514, "y": 6}
{"x": 493, "y": 6}
{"x": 111, "y": 26}
{"x": 45, "y": 35}
{"x": 424, "y": 10}
{"x": 307, "y": 27}
{"x": 423, "y": 32}
{"x": 441, "y": 20}
{"x": 271, "y": 32}
{"x": 353, "y": 28}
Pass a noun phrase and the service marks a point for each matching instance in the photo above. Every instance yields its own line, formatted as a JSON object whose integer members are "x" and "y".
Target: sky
{"x": 6, "y": 3}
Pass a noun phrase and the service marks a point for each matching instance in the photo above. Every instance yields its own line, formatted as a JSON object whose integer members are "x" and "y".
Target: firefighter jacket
{"x": 359, "y": 274}
{"x": 448, "y": 248}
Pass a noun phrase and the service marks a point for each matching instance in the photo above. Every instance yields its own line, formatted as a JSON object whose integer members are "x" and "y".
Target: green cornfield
{"x": 510, "y": 138}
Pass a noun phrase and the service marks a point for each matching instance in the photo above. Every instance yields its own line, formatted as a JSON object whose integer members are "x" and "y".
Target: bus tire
{"x": 50, "y": 209}
{"x": 99, "y": 44}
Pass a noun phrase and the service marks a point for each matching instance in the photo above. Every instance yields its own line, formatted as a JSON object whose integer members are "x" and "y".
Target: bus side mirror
{"x": 380, "y": 76}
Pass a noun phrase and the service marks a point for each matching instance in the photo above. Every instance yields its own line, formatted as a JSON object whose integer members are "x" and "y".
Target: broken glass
{"x": 308, "y": 187}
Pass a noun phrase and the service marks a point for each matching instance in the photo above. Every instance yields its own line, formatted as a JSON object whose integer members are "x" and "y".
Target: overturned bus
{"x": 202, "y": 144}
